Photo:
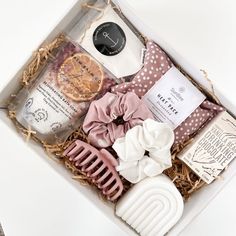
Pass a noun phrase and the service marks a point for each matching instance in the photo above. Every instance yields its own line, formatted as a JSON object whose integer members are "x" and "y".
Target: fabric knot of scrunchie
{"x": 101, "y": 120}
{"x": 144, "y": 151}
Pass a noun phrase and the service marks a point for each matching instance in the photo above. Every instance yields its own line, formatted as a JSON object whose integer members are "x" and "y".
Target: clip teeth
{"x": 99, "y": 166}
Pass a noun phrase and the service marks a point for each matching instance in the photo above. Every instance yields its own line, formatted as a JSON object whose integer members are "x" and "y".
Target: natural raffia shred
{"x": 184, "y": 178}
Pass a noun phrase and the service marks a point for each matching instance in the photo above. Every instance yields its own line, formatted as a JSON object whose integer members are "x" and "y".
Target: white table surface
{"x": 34, "y": 199}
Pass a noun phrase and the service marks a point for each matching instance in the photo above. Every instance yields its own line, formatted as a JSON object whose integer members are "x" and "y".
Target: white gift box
{"x": 200, "y": 199}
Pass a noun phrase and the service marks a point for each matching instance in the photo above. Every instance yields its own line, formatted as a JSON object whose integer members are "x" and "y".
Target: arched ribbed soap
{"x": 152, "y": 207}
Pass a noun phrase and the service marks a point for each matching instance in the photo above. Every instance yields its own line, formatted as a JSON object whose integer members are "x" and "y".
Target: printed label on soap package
{"x": 173, "y": 98}
{"x": 213, "y": 149}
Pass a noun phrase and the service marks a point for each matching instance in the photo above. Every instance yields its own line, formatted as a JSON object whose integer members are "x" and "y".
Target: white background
{"x": 34, "y": 199}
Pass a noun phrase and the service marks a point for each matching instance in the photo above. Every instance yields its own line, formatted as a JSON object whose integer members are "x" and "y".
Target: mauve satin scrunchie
{"x": 100, "y": 122}
{"x": 156, "y": 64}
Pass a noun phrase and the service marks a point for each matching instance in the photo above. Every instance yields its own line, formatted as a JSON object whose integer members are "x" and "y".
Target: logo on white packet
{"x": 110, "y": 40}
{"x": 173, "y": 98}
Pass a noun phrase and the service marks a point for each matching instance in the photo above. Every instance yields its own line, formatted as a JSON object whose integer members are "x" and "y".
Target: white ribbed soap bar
{"x": 152, "y": 207}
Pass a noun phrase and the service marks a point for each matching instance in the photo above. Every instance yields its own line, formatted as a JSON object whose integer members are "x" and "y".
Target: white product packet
{"x": 111, "y": 41}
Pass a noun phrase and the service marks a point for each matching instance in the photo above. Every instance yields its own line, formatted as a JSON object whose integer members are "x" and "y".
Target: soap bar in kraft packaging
{"x": 213, "y": 149}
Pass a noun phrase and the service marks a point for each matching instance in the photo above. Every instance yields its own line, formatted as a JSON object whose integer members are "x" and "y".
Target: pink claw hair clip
{"x": 97, "y": 165}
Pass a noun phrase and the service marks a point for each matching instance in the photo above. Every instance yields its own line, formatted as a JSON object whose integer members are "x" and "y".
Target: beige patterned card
{"x": 213, "y": 149}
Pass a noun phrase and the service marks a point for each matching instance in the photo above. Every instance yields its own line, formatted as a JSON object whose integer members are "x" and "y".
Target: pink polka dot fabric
{"x": 196, "y": 121}
{"x": 156, "y": 64}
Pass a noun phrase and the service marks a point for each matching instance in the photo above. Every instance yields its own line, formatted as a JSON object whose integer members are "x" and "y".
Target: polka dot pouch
{"x": 156, "y": 64}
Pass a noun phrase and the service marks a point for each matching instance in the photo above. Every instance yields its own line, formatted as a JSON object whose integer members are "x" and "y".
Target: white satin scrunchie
{"x": 152, "y": 137}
